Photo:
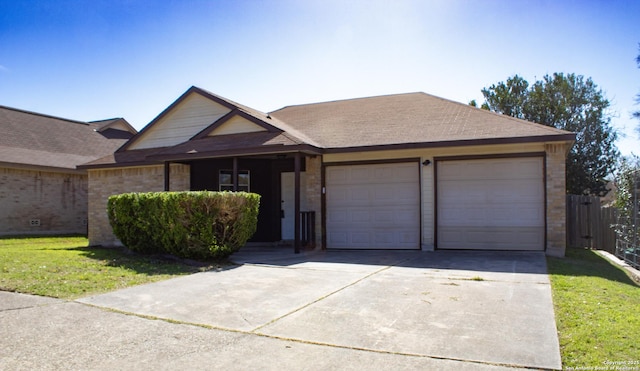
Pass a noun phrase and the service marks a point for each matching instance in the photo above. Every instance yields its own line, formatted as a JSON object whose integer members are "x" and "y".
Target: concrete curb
{"x": 634, "y": 273}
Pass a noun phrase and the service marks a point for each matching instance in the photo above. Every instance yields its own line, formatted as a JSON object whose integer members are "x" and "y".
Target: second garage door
{"x": 491, "y": 204}
{"x": 373, "y": 206}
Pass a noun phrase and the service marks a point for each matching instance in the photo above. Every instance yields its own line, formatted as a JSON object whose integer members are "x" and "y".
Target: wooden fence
{"x": 589, "y": 224}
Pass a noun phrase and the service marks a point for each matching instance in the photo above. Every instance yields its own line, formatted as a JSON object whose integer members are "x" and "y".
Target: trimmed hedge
{"x": 194, "y": 225}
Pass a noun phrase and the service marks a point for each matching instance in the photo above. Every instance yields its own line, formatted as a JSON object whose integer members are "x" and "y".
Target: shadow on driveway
{"x": 477, "y": 261}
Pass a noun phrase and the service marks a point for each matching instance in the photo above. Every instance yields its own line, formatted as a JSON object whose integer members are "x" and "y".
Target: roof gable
{"x": 117, "y": 123}
{"x": 236, "y": 122}
{"x": 186, "y": 117}
{"x": 236, "y": 125}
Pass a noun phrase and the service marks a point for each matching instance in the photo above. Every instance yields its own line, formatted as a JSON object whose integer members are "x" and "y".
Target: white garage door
{"x": 491, "y": 204}
{"x": 373, "y": 206}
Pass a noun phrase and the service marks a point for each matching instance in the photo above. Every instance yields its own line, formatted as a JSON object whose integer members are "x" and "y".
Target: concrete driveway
{"x": 334, "y": 310}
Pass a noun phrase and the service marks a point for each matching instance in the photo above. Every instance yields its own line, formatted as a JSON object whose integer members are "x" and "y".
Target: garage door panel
{"x": 373, "y": 206}
{"x": 492, "y": 238}
{"x": 524, "y": 168}
{"x": 339, "y": 176}
{"x": 381, "y": 219}
{"x": 491, "y": 204}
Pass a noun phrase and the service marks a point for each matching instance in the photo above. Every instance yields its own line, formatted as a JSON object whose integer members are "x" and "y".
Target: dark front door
{"x": 263, "y": 178}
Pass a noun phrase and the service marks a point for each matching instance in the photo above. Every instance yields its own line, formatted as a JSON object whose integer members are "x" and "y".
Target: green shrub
{"x": 195, "y": 225}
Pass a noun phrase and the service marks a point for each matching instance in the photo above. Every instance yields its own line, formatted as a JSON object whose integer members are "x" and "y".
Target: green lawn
{"x": 597, "y": 311}
{"x": 65, "y": 267}
{"x": 597, "y": 305}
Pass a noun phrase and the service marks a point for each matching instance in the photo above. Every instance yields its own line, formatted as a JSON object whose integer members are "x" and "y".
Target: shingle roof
{"x": 409, "y": 120}
{"x": 29, "y": 138}
{"x": 404, "y": 119}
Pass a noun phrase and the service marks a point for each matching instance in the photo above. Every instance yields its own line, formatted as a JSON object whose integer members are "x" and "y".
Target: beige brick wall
{"x": 107, "y": 182}
{"x": 556, "y": 198}
{"x": 314, "y": 192}
{"x": 57, "y": 200}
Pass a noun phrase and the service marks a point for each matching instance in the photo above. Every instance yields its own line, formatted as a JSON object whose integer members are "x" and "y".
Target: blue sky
{"x": 93, "y": 59}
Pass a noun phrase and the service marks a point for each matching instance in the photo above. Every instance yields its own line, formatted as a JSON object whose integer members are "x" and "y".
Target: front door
{"x": 287, "y": 206}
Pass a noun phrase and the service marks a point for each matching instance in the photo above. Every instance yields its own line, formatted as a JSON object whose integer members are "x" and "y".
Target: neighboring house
{"x": 41, "y": 191}
{"x": 405, "y": 171}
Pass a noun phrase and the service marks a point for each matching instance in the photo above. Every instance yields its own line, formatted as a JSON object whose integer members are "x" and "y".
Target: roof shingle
{"x": 409, "y": 120}
{"x": 403, "y": 119}
{"x": 35, "y": 139}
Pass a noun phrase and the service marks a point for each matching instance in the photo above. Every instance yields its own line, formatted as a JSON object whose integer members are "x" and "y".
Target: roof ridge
{"x": 111, "y": 119}
{"x": 43, "y": 115}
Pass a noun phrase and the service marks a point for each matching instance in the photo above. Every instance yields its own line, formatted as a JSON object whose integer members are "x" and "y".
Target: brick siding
{"x": 42, "y": 202}
{"x": 107, "y": 182}
{"x": 556, "y": 198}
{"x": 314, "y": 192}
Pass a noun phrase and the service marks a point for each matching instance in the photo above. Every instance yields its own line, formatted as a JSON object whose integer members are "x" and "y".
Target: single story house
{"x": 41, "y": 190}
{"x": 404, "y": 171}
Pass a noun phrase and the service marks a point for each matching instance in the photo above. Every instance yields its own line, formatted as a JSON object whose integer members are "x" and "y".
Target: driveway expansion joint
{"x": 309, "y": 342}
{"x": 62, "y": 301}
{"x": 321, "y": 298}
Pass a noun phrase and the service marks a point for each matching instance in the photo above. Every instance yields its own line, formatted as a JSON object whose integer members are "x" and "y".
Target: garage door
{"x": 491, "y": 204}
{"x": 373, "y": 206}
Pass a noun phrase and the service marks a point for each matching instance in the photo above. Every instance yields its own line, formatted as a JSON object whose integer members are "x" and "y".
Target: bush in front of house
{"x": 199, "y": 225}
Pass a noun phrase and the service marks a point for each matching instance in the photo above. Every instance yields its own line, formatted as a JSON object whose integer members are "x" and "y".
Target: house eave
{"x": 159, "y": 159}
{"x": 114, "y": 165}
{"x": 272, "y": 150}
{"x": 51, "y": 169}
{"x": 457, "y": 143}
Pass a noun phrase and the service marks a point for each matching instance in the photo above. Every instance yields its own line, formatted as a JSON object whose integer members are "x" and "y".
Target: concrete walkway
{"x": 324, "y": 310}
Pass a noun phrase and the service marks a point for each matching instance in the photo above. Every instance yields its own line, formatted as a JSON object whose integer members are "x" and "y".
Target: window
{"x": 226, "y": 180}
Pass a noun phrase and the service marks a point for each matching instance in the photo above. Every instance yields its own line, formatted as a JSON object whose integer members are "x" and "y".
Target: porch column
{"x": 296, "y": 242}
{"x": 167, "y": 175}
{"x": 235, "y": 174}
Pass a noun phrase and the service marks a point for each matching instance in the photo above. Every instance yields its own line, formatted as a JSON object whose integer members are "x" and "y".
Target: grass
{"x": 65, "y": 267}
{"x": 597, "y": 308}
{"x": 597, "y": 305}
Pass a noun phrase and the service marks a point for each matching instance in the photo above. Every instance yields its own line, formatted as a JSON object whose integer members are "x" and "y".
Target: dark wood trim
{"x": 323, "y": 204}
{"x": 296, "y": 203}
{"x": 167, "y": 175}
{"x": 158, "y": 159}
{"x": 490, "y": 156}
{"x": 435, "y": 204}
{"x": 234, "y": 175}
{"x": 457, "y": 143}
{"x": 121, "y": 165}
{"x": 235, "y": 112}
{"x": 544, "y": 182}
{"x": 240, "y": 152}
{"x": 372, "y": 162}
{"x": 421, "y": 209}
{"x": 436, "y": 160}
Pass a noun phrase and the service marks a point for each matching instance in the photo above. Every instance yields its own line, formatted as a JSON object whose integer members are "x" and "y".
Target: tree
{"x": 567, "y": 102}
{"x": 636, "y": 114}
{"x": 628, "y": 200}
{"x": 508, "y": 98}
